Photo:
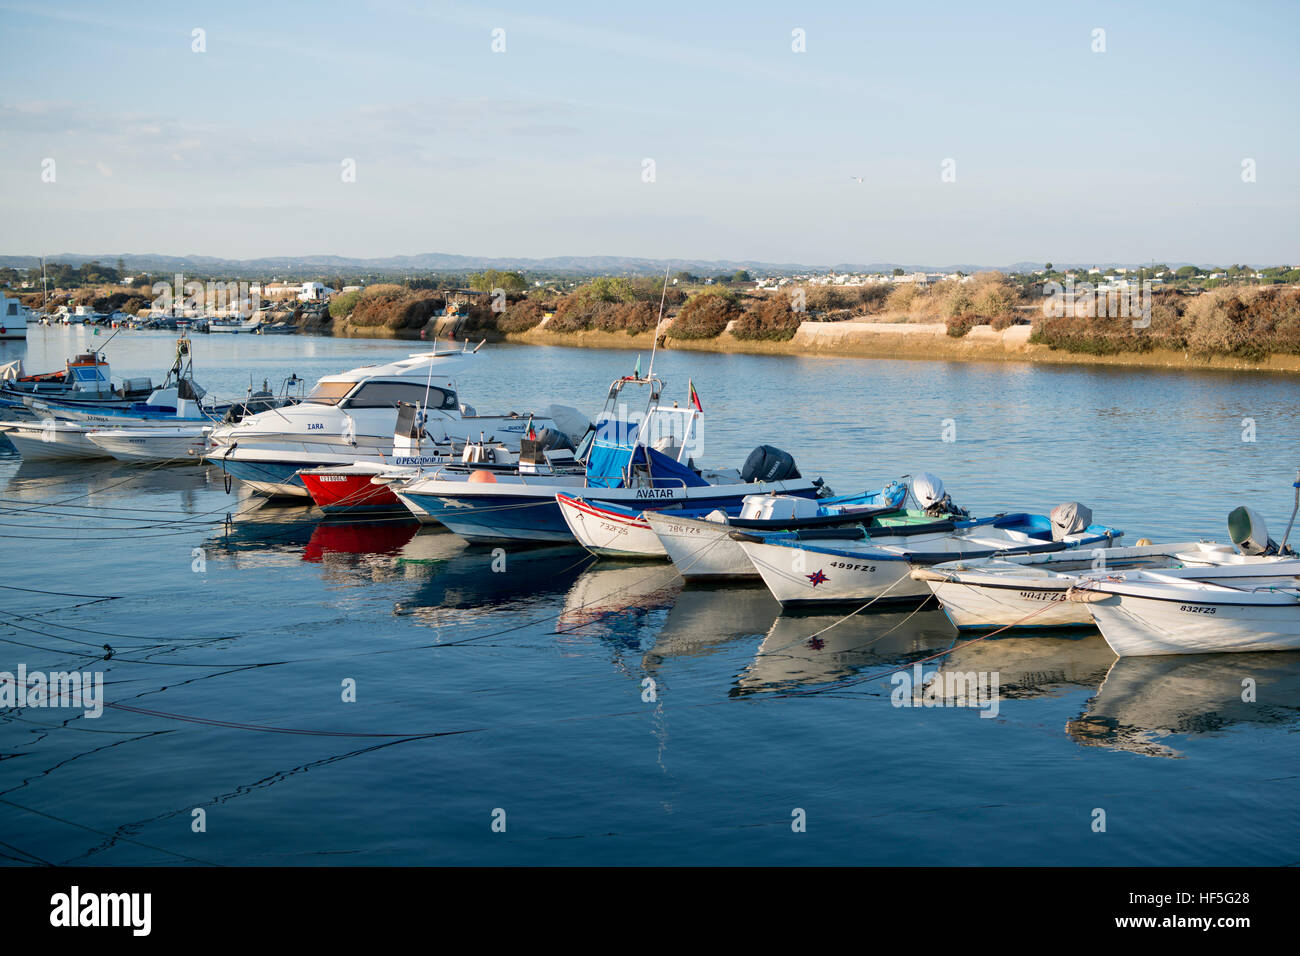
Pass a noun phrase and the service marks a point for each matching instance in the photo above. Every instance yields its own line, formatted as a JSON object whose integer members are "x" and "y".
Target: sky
{"x": 666, "y": 130}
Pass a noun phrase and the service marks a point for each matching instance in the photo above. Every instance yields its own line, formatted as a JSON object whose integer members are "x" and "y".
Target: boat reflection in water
{"x": 616, "y": 601}
{"x": 1035, "y": 666}
{"x": 262, "y": 534}
{"x": 704, "y": 619}
{"x": 795, "y": 655}
{"x": 1144, "y": 701}
{"x": 345, "y": 543}
{"x": 49, "y": 480}
{"x": 464, "y": 583}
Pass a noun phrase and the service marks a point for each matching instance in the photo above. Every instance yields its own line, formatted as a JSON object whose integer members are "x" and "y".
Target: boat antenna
{"x": 663, "y": 296}
{"x": 1295, "y": 484}
{"x": 110, "y": 338}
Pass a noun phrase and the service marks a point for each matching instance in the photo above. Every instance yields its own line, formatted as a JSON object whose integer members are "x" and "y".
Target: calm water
{"x": 522, "y": 691}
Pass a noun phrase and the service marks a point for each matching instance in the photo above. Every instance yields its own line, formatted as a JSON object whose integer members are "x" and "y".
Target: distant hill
{"x": 446, "y": 262}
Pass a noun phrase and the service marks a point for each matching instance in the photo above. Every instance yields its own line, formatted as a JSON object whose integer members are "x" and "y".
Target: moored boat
{"x": 629, "y": 532}
{"x": 351, "y": 416}
{"x": 154, "y": 443}
{"x": 642, "y": 464}
{"x": 868, "y": 565}
{"x": 1146, "y": 613}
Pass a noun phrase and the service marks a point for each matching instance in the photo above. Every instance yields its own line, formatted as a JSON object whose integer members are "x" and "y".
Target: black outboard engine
{"x": 766, "y": 463}
{"x": 551, "y": 439}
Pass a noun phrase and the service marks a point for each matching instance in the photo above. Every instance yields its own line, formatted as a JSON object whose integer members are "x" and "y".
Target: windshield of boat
{"x": 389, "y": 394}
{"x": 330, "y": 393}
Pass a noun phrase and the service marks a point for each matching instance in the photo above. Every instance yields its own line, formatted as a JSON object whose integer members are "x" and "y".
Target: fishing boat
{"x": 702, "y": 547}
{"x": 1146, "y": 613}
{"x": 351, "y": 489}
{"x": 627, "y": 532}
{"x": 51, "y": 440}
{"x": 178, "y": 399}
{"x": 1031, "y": 590}
{"x": 54, "y": 439}
{"x": 848, "y": 565}
{"x": 1142, "y": 613}
{"x": 86, "y": 377}
{"x": 155, "y": 443}
{"x": 642, "y": 464}
{"x": 350, "y": 417}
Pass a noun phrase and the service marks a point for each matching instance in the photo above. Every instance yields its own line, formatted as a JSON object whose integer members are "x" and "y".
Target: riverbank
{"x": 1249, "y": 330}
{"x": 866, "y": 340}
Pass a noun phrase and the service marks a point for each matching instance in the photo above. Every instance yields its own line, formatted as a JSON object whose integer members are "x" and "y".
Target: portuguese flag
{"x": 695, "y": 398}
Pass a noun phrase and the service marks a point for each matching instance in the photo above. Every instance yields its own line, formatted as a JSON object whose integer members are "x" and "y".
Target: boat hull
{"x": 610, "y": 533}
{"x": 984, "y": 606}
{"x": 178, "y": 445}
{"x": 701, "y": 550}
{"x": 515, "y": 510}
{"x": 801, "y": 577}
{"x": 349, "y": 492}
{"x": 38, "y": 442}
{"x": 1136, "y": 626}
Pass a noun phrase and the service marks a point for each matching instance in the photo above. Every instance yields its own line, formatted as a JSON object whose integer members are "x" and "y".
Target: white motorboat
{"x": 52, "y": 440}
{"x": 350, "y": 417}
{"x": 1145, "y": 613}
{"x": 1029, "y": 590}
{"x": 155, "y": 443}
{"x": 869, "y": 565}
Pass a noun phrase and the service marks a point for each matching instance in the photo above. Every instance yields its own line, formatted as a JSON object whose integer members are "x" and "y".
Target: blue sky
{"x": 1060, "y": 153}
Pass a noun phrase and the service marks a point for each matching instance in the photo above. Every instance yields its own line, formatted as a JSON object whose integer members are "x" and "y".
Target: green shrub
{"x": 771, "y": 320}
{"x": 704, "y": 316}
{"x": 959, "y": 325}
{"x": 341, "y": 306}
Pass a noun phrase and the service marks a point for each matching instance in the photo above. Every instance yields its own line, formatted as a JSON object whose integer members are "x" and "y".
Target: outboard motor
{"x": 766, "y": 463}
{"x": 1249, "y": 533}
{"x": 1069, "y": 518}
{"x": 570, "y": 421}
{"x": 935, "y": 502}
{"x": 549, "y": 439}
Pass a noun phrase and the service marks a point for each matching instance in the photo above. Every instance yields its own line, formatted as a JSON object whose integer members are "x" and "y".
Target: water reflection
{"x": 1145, "y": 699}
{"x": 615, "y": 602}
{"x": 806, "y": 650}
{"x": 1036, "y": 666}
{"x": 703, "y": 619}
{"x": 475, "y": 582}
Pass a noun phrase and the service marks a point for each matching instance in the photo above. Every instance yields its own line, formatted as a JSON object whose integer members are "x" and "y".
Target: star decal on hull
{"x": 817, "y": 578}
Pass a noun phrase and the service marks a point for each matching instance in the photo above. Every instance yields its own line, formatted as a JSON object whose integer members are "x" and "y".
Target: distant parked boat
{"x": 14, "y": 317}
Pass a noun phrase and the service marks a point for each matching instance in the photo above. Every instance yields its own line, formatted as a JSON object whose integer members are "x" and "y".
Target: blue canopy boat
{"x": 643, "y": 464}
